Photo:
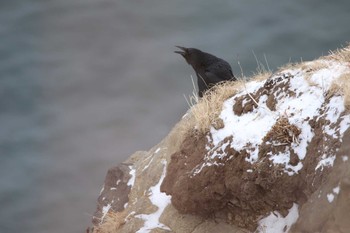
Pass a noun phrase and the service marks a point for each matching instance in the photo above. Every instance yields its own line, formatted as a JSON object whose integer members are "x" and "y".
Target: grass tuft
{"x": 341, "y": 86}
{"x": 111, "y": 222}
{"x": 284, "y": 133}
{"x": 340, "y": 54}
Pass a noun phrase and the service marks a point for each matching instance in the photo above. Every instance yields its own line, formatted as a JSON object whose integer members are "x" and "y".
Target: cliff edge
{"x": 268, "y": 154}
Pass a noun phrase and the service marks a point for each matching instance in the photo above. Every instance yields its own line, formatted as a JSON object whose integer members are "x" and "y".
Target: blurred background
{"x": 85, "y": 83}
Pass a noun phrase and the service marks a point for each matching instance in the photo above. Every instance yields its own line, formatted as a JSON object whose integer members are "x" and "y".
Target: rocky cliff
{"x": 270, "y": 154}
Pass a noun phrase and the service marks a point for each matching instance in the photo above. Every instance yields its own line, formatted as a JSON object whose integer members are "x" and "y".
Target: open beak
{"x": 183, "y": 52}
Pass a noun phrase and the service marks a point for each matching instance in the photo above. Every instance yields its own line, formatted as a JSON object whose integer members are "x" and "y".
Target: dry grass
{"x": 340, "y": 54}
{"x": 290, "y": 65}
{"x": 283, "y": 132}
{"x": 261, "y": 76}
{"x": 111, "y": 222}
{"x": 311, "y": 67}
{"x": 208, "y": 108}
{"x": 341, "y": 86}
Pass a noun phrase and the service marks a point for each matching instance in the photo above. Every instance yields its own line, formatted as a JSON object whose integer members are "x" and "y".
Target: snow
{"x": 132, "y": 172}
{"x": 276, "y": 223}
{"x": 324, "y": 77}
{"x": 336, "y": 190}
{"x": 105, "y": 210}
{"x": 344, "y": 124}
{"x": 152, "y": 157}
{"x": 244, "y": 128}
{"x": 330, "y": 197}
{"x": 249, "y": 129}
{"x": 283, "y": 158}
{"x": 149, "y": 163}
{"x": 103, "y": 188}
{"x": 159, "y": 199}
{"x": 325, "y": 162}
{"x": 345, "y": 158}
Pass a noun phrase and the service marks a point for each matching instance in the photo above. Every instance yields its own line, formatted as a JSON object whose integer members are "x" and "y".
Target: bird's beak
{"x": 183, "y": 52}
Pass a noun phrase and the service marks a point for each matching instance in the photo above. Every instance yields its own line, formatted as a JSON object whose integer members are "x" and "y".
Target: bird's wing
{"x": 212, "y": 78}
{"x": 221, "y": 71}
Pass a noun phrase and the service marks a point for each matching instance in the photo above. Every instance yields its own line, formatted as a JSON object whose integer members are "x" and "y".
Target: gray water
{"x": 84, "y": 84}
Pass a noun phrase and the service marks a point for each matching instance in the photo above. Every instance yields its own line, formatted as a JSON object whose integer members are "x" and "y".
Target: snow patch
{"x": 132, "y": 172}
{"x": 344, "y": 124}
{"x": 325, "y": 162}
{"x": 244, "y": 128}
{"x": 284, "y": 158}
{"x": 336, "y": 190}
{"x": 148, "y": 164}
{"x": 276, "y": 223}
{"x": 159, "y": 199}
{"x": 330, "y": 197}
{"x": 103, "y": 188}
{"x": 105, "y": 210}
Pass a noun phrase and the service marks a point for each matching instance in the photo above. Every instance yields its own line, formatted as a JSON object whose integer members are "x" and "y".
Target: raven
{"x": 209, "y": 68}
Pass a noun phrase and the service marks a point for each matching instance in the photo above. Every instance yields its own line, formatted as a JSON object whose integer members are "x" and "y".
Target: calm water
{"x": 84, "y": 84}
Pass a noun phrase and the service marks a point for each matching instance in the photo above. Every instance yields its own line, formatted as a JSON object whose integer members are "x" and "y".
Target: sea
{"x": 86, "y": 83}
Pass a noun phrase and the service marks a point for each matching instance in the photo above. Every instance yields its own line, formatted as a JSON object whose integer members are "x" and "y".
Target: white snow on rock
{"x": 330, "y": 197}
{"x": 159, "y": 199}
{"x": 131, "y": 181}
{"x": 105, "y": 210}
{"x": 325, "y": 162}
{"x": 249, "y": 129}
{"x": 336, "y": 190}
{"x": 132, "y": 172}
{"x": 103, "y": 188}
{"x": 276, "y": 223}
{"x": 244, "y": 128}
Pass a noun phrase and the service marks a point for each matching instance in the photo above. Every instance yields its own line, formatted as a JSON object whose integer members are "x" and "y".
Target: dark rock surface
{"x": 114, "y": 194}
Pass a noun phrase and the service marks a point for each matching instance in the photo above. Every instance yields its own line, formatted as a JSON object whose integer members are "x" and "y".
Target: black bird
{"x": 209, "y": 68}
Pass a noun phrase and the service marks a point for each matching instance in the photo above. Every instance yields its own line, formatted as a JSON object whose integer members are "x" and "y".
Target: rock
{"x": 271, "y": 155}
{"x": 327, "y": 208}
{"x": 115, "y": 192}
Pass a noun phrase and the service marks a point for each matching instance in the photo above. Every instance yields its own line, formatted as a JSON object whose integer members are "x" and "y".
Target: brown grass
{"x": 293, "y": 65}
{"x": 341, "y": 86}
{"x": 283, "y": 132}
{"x": 311, "y": 67}
{"x": 340, "y": 54}
{"x": 208, "y": 108}
{"x": 111, "y": 222}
